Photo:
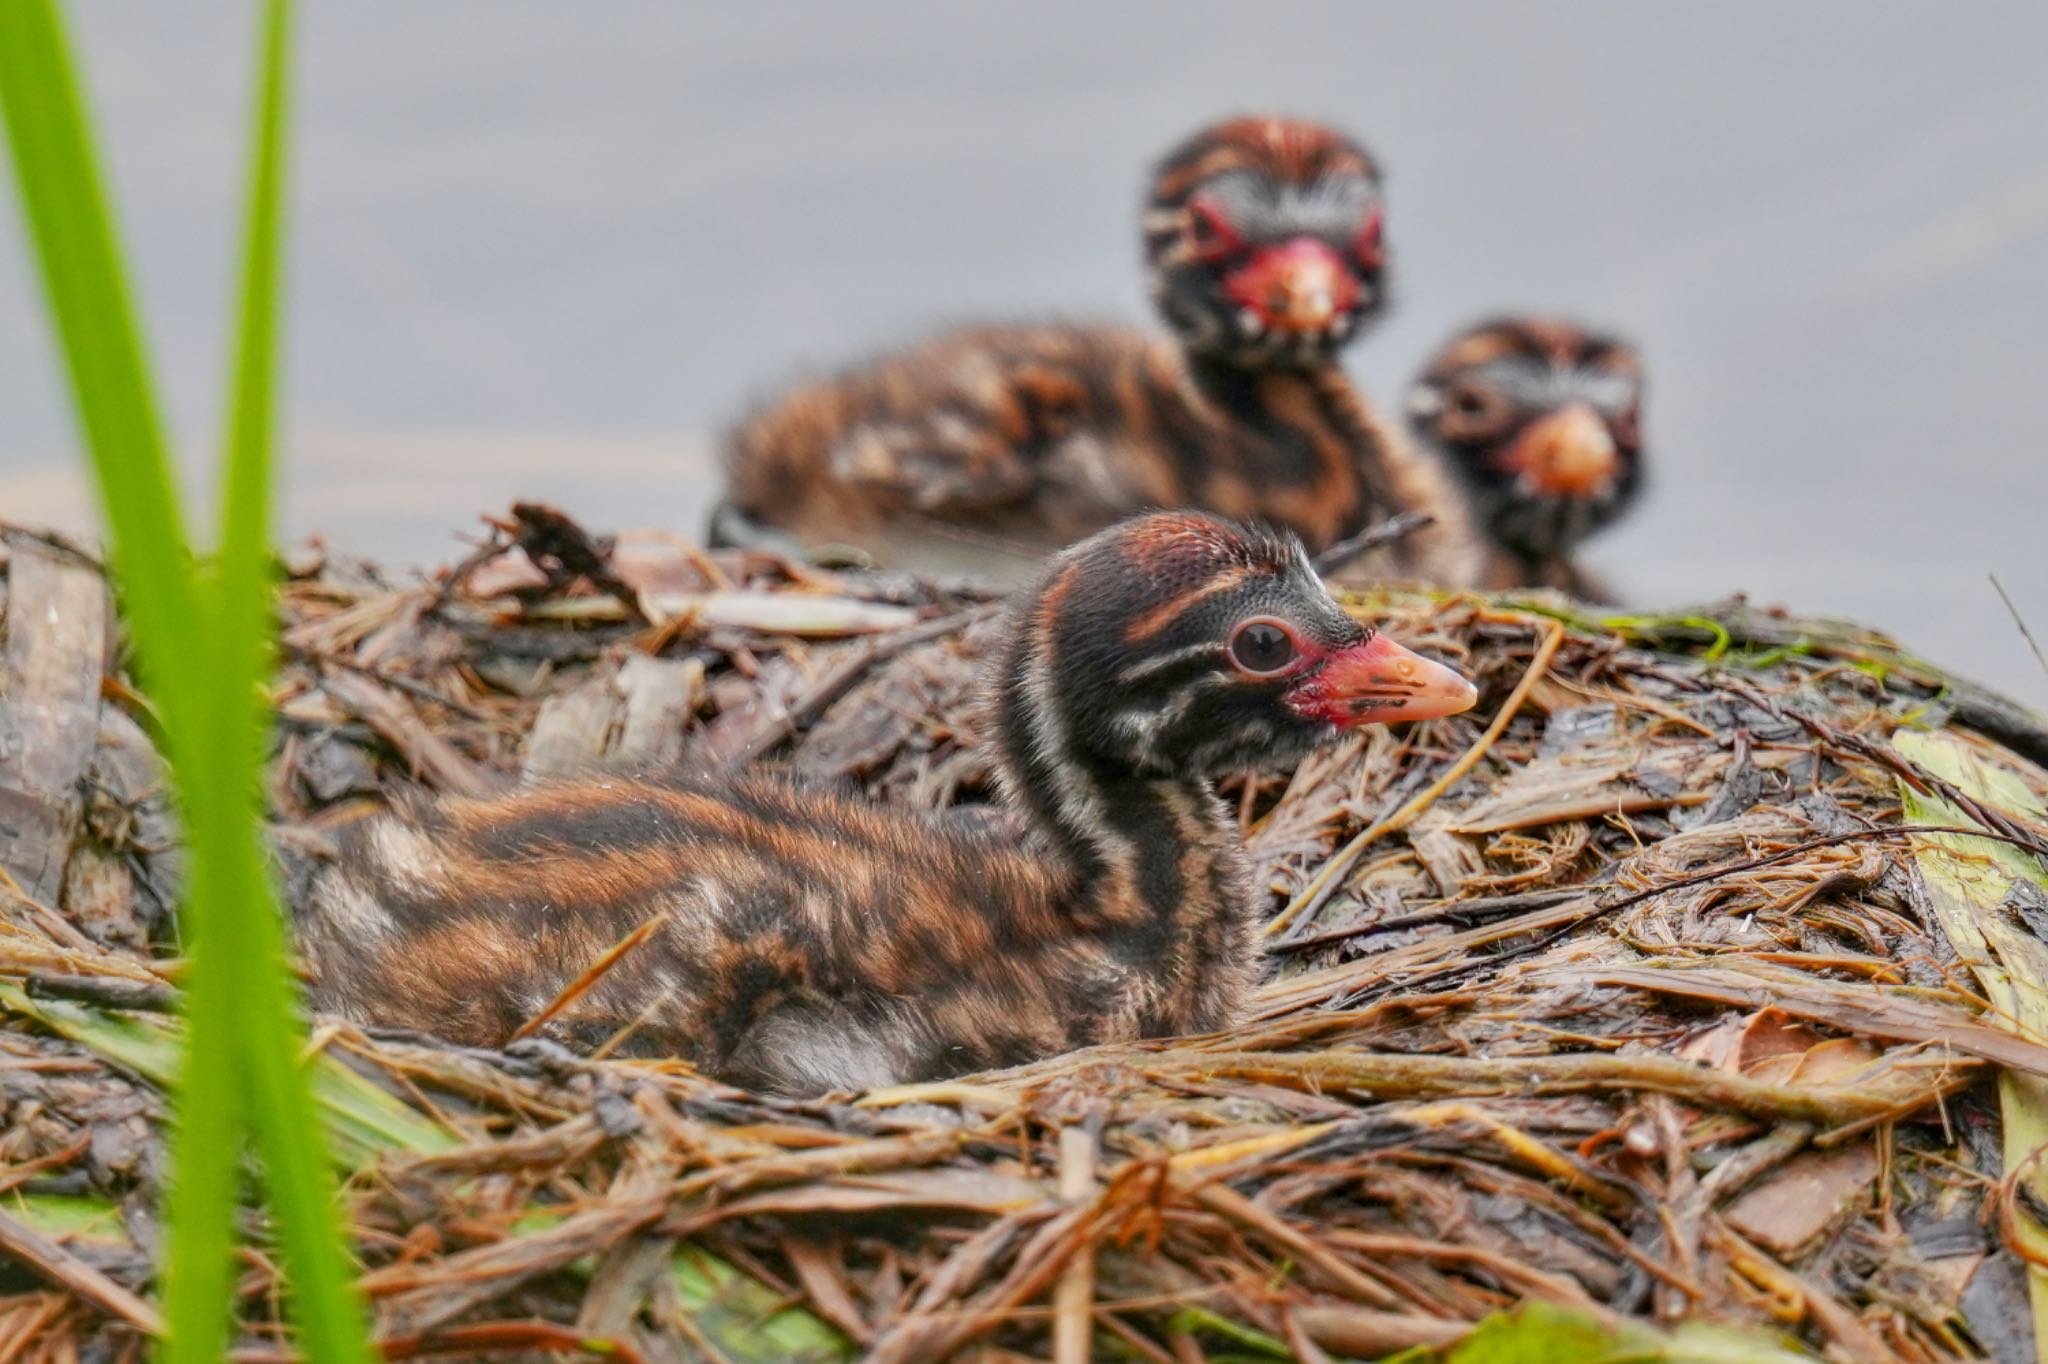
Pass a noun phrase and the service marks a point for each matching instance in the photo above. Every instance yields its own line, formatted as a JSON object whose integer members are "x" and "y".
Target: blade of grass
{"x": 202, "y": 652}
{"x": 87, "y": 291}
{"x": 239, "y": 955}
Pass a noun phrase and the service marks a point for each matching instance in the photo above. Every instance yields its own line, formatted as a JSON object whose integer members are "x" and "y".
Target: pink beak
{"x": 1567, "y": 453}
{"x": 1378, "y": 682}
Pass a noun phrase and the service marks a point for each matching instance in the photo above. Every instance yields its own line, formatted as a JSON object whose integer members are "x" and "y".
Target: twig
{"x": 1828, "y": 841}
{"x": 109, "y": 992}
{"x": 2021, "y": 622}
{"x": 2011, "y": 829}
{"x": 31, "y": 1248}
{"x": 1443, "y": 979}
{"x": 404, "y": 684}
{"x": 1366, "y": 1334}
{"x": 1857, "y": 1340}
{"x": 399, "y": 725}
{"x": 1483, "y": 910}
{"x": 455, "y": 578}
{"x": 1229, "y": 1203}
{"x": 1461, "y": 912}
{"x": 17, "y": 1175}
{"x": 589, "y": 976}
{"x": 1340, "y": 555}
{"x": 1852, "y": 1008}
{"x": 1333, "y": 870}
{"x": 546, "y": 533}
{"x": 1074, "y": 1295}
{"x": 475, "y": 1338}
{"x": 1385, "y": 1076}
{"x": 844, "y": 675}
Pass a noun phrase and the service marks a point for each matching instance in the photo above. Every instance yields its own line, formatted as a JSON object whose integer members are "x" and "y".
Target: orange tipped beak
{"x": 1566, "y": 453}
{"x": 1298, "y": 286}
{"x": 1379, "y": 682}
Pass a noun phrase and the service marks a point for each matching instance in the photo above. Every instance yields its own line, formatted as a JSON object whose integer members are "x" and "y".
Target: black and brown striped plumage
{"x": 804, "y": 941}
{"x": 1265, "y": 247}
{"x": 1541, "y": 421}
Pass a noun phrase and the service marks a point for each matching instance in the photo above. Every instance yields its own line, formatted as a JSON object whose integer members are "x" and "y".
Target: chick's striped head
{"x": 1264, "y": 240}
{"x": 1187, "y": 646}
{"x": 1542, "y": 420}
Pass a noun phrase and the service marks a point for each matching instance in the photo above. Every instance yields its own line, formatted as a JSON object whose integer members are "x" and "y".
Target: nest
{"x": 1627, "y": 1000}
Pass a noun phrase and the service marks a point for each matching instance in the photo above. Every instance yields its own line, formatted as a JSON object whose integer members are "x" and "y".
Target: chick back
{"x": 1045, "y": 434}
{"x": 801, "y": 942}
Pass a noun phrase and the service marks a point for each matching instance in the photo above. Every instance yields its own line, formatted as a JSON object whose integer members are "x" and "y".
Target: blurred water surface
{"x": 545, "y": 249}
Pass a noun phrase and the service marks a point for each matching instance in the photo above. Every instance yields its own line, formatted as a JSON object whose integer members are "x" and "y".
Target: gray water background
{"x": 545, "y": 249}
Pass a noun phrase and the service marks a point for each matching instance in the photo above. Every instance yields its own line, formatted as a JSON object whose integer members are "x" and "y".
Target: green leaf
{"x": 1538, "y": 1333}
{"x": 746, "y": 1319}
{"x": 71, "y": 1219}
{"x": 1967, "y": 882}
{"x": 1201, "y": 1321}
{"x": 360, "y": 1119}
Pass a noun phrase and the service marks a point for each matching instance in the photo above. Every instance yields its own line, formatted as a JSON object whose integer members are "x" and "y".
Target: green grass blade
{"x": 205, "y": 1142}
{"x": 87, "y": 291}
{"x": 240, "y": 954}
{"x": 88, "y": 296}
{"x": 202, "y": 652}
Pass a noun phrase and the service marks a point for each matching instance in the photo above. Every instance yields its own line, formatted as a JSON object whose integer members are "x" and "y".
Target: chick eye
{"x": 1471, "y": 409}
{"x": 1262, "y": 647}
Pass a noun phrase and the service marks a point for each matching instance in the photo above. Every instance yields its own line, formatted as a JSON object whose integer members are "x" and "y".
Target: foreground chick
{"x": 1541, "y": 421}
{"x": 1264, "y": 242}
{"x": 806, "y": 941}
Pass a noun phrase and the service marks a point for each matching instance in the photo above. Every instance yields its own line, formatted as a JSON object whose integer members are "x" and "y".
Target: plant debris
{"x": 1617, "y": 1010}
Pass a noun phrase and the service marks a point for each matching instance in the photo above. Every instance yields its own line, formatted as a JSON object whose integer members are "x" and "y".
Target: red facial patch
{"x": 1297, "y": 286}
{"x": 1210, "y": 237}
{"x": 1369, "y": 247}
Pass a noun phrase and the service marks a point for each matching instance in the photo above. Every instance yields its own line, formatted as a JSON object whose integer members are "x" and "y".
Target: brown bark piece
{"x": 1805, "y": 1196}
{"x": 50, "y": 664}
{"x": 570, "y": 733}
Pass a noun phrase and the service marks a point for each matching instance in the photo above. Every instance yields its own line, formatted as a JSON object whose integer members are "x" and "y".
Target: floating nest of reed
{"x": 1641, "y": 1009}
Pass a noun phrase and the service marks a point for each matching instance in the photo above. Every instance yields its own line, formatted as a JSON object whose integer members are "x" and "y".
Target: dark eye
{"x": 1262, "y": 647}
{"x": 1470, "y": 409}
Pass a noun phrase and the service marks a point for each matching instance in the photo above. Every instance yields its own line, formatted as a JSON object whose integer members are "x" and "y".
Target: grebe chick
{"x": 1540, "y": 420}
{"x": 808, "y": 941}
{"x": 1264, "y": 243}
